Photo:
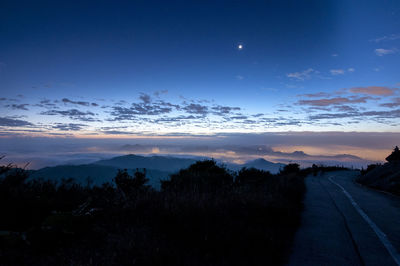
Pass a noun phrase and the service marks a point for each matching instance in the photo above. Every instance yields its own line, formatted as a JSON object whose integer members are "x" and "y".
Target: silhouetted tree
{"x": 394, "y": 156}
{"x": 203, "y": 175}
{"x": 252, "y": 178}
{"x": 290, "y": 168}
{"x": 127, "y": 183}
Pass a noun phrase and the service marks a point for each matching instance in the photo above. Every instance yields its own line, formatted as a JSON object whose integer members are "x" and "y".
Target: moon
{"x": 240, "y": 47}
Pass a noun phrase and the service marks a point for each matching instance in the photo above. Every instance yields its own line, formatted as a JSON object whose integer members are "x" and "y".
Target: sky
{"x": 138, "y": 71}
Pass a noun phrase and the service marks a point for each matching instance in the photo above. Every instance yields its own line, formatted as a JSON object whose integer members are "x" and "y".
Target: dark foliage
{"x": 370, "y": 167}
{"x": 290, "y": 168}
{"x": 394, "y": 156}
{"x": 204, "y": 215}
{"x": 385, "y": 177}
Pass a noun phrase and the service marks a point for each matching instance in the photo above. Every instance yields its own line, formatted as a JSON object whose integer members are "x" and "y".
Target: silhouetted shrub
{"x": 290, "y": 168}
{"x": 394, "y": 156}
{"x": 253, "y": 178}
{"x": 200, "y": 217}
{"x": 200, "y": 176}
{"x": 128, "y": 183}
{"x": 370, "y": 167}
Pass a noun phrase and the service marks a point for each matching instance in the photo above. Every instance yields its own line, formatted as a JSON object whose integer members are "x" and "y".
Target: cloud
{"x": 315, "y": 95}
{"x": 382, "y": 52}
{"x": 239, "y": 77}
{"x": 224, "y": 110}
{"x": 345, "y": 108}
{"x": 145, "y": 98}
{"x": 390, "y": 37}
{"x": 334, "y": 101}
{"x": 139, "y": 109}
{"x": 73, "y": 114}
{"x": 351, "y": 70}
{"x": 158, "y": 93}
{"x": 336, "y": 72}
{"x": 196, "y": 109}
{"x": 46, "y": 103}
{"x": 374, "y": 90}
{"x": 376, "y": 114}
{"x": 68, "y": 126}
{"x": 9, "y": 122}
{"x": 303, "y": 75}
{"x": 393, "y": 104}
{"x": 68, "y": 101}
{"x": 18, "y": 106}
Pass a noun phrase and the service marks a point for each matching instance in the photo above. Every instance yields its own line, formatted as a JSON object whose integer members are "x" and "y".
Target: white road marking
{"x": 381, "y": 235}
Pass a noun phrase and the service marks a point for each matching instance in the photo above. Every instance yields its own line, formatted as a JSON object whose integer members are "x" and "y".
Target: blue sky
{"x": 128, "y": 69}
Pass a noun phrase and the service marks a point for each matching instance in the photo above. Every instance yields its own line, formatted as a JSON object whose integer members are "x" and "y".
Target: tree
{"x": 290, "y": 168}
{"x": 394, "y": 156}
{"x": 202, "y": 175}
{"x": 127, "y": 183}
{"x": 253, "y": 178}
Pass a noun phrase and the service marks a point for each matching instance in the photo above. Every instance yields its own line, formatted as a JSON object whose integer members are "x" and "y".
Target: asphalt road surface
{"x": 344, "y": 223}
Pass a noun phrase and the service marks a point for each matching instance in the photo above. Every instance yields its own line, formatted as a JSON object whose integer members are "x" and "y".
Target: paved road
{"x": 344, "y": 223}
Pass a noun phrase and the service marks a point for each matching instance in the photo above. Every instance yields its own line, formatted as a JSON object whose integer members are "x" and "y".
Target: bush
{"x": 394, "y": 156}
{"x": 290, "y": 168}
{"x": 202, "y": 216}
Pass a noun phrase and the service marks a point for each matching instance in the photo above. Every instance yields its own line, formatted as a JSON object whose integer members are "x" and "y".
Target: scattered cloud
{"x": 374, "y": 90}
{"x": 10, "y": 122}
{"x": 390, "y": 37}
{"x": 393, "y": 104}
{"x": 145, "y": 98}
{"x": 68, "y": 126}
{"x": 303, "y": 75}
{"x": 158, "y": 93}
{"x": 382, "y": 52}
{"x": 239, "y": 77}
{"x": 73, "y": 114}
{"x": 336, "y": 72}
{"x": 18, "y": 106}
{"x": 378, "y": 114}
{"x": 196, "y": 109}
{"x": 315, "y": 95}
{"x": 351, "y": 69}
{"x": 224, "y": 110}
{"x": 334, "y": 101}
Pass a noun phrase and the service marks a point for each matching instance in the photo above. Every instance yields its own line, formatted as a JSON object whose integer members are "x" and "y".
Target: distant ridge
{"x": 157, "y": 168}
{"x": 265, "y": 165}
{"x": 161, "y": 163}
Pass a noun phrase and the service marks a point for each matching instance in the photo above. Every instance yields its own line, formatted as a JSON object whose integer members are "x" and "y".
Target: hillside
{"x": 97, "y": 174}
{"x": 161, "y": 163}
{"x": 157, "y": 168}
{"x": 383, "y": 177}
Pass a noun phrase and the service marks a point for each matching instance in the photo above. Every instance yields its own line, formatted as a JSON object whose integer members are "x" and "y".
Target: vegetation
{"x": 384, "y": 177}
{"x": 394, "y": 156}
{"x": 203, "y": 215}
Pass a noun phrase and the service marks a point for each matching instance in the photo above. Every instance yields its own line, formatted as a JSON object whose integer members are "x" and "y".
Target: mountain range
{"x": 157, "y": 168}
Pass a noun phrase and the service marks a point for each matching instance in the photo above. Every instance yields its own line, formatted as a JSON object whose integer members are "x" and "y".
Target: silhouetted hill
{"x": 161, "y": 163}
{"x": 383, "y": 177}
{"x": 157, "y": 168}
{"x": 265, "y": 165}
{"x": 98, "y": 174}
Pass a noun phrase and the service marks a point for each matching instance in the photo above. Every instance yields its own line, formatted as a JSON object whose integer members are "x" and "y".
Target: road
{"x": 344, "y": 223}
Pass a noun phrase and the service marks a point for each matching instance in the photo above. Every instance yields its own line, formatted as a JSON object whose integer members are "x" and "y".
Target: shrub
{"x": 394, "y": 156}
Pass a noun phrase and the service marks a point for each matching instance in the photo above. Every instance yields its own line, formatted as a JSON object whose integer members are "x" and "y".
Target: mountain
{"x": 98, "y": 174}
{"x": 157, "y": 168}
{"x": 160, "y": 163}
{"x": 264, "y": 165}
